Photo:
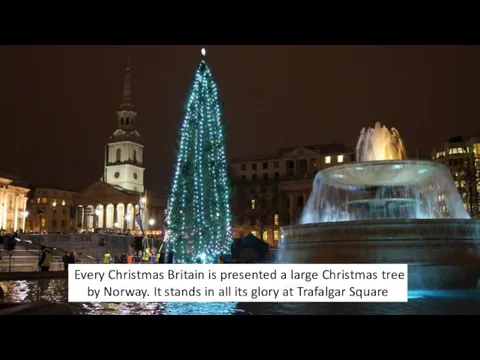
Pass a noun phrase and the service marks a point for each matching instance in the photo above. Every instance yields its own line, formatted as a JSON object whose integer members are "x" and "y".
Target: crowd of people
{"x": 148, "y": 256}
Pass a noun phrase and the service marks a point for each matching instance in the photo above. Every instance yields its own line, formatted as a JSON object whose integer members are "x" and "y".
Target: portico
{"x": 103, "y": 206}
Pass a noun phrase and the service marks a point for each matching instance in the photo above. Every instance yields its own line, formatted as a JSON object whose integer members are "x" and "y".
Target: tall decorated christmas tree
{"x": 198, "y": 222}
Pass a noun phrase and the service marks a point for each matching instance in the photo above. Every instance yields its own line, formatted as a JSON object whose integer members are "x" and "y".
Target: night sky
{"x": 58, "y": 104}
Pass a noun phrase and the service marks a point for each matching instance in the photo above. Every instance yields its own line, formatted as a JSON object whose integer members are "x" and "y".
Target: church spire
{"x": 127, "y": 103}
{"x": 126, "y": 115}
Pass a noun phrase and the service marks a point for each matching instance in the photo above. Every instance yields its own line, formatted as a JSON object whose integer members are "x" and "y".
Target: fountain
{"x": 385, "y": 208}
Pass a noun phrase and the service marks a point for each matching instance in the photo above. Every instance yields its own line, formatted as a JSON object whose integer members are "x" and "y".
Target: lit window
{"x": 265, "y": 235}
{"x": 340, "y": 158}
{"x": 253, "y": 204}
{"x": 63, "y": 202}
{"x": 38, "y": 201}
{"x": 276, "y": 220}
{"x": 276, "y": 235}
{"x": 476, "y": 149}
{"x": 328, "y": 159}
{"x": 254, "y": 233}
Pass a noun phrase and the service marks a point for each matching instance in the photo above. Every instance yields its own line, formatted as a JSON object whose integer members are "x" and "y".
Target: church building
{"x": 112, "y": 202}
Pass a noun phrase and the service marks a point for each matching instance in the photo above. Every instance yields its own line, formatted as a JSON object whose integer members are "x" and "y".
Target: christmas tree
{"x": 198, "y": 222}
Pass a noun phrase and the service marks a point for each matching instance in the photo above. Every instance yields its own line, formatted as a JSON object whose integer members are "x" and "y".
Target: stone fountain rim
{"x": 367, "y": 169}
{"x": 381, "y": 162}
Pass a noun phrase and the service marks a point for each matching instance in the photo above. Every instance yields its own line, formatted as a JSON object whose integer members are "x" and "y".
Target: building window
{"x": 244, "y": 177}
{"x": 277, "y": 175}
{"x": 42, "y": 222}
{"x": 38, "y": 201}
{"x": 265, "y": 176}
{"x": 254, "y": 166}
{"x": 63, "y": 202}
{"x": 44, "y": 200}
{"x": 276, "y": 220}
{"x": 276, "y": 235}
{"x": 254, "y": 233}
{"x": 253, "y": 204}
{"x": 265, "y": 235}
{"x": 276, "y": 164}
{"x": 328, "y": 159}
{"x": 339, "y": 158}
{"x": 476, "y": 149}
{"x": 243, "y": 167}
{"x": 254, "y": 177}
{"x": 119, "y": 155}
{"x": 134, "y": 155}
{"x": 265, "y": 165}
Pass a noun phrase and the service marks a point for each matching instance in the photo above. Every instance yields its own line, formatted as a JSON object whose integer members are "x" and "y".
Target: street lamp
{"x": 54, "y": 215}
{"x": 97, "y": 214}
{"x": 127, "y": 219}
{"x": 151, "y": 222}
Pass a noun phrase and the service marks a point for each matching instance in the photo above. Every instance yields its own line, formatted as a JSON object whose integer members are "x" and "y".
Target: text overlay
{"x": 238, "y": 283}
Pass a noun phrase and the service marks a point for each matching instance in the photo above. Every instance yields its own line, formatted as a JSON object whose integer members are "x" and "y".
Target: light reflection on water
{"x": 55, "y": 290}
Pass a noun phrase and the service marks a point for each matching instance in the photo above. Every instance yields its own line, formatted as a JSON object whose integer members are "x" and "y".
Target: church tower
{"x": 124, "y": 153}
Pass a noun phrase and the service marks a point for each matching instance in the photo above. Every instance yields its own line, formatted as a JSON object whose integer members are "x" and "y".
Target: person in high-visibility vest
{"x": 45, "y": 259}
{"x": 146, "y": 255}
{"x": 107, "y": 258}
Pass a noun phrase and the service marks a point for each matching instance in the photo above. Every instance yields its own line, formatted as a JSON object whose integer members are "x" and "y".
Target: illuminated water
{"x": 380, "y": 143}
{"x": 382, "y": 184}
{"x": 428, "y": 303}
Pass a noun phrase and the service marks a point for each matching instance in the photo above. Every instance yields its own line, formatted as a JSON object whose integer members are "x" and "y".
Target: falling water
{"x": 380, "y": 143}
{"x": 383, "y": 185}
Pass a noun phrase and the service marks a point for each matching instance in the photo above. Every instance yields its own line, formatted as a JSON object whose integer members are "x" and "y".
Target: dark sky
{"x": 58, "y": 104}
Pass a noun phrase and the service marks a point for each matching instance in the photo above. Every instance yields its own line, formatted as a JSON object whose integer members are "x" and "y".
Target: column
{"x": 5, "y": 204}
{"x": 15, "y": 212}
{"x": 115, "y": 215}
{"x": 24, "y": 219}
{"x": 2, "y": 204}
{"x": 105, "y": 214}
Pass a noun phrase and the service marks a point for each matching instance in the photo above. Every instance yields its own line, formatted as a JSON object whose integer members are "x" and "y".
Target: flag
{"x": 138, "y": 217}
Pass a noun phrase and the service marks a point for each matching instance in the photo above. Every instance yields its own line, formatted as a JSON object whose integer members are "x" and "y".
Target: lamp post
{"x": 97, "y": 214}
{"x": 127, "y": 219}
{"x": 54, "y": 215}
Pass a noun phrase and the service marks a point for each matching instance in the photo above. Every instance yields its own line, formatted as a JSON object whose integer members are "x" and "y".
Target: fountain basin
{"x": 393, "y": 189}
{"x": 442, "y": 254}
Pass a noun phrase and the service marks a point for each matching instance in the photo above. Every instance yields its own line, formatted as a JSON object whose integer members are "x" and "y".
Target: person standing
{"x": 107, "y": 258}
{"x": 45, "y": 259}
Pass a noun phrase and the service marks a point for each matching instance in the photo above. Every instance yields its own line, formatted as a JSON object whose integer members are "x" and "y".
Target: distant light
{"x": 115, "y": 225}
{"x": 151, "y": 222}
{"x": 397, "y": 166}
{"x": 204, "y": 52}
{"x": 421, "y": 171}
